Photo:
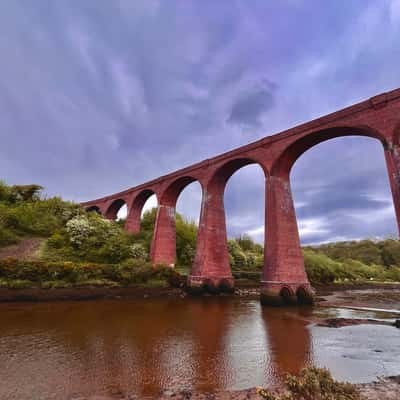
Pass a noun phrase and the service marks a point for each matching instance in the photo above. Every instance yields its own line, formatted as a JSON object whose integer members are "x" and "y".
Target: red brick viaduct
{"x": 283, "y": 275}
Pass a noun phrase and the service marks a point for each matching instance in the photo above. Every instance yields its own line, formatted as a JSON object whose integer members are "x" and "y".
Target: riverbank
{"x": 368, "y": 295}
{"x": 87, "y": 293}
{"x": 384, "y": 389}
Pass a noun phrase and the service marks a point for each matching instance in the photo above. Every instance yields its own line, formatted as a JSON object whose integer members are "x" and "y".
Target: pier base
{"x": 215, "y": 284}
{"x": 286, "y": 294}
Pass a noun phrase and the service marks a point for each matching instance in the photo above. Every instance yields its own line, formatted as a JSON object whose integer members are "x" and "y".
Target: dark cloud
{"x": 97, "y": 96}
{"x": 249, "y": 107}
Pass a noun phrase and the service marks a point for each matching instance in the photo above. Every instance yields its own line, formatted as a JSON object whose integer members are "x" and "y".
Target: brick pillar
{"x": 211, "y": 264}
{"x": 163, "y": 245}
{"x": 284, "y": 279}
{"x": 132, "y": 223}
{"x": 392, "y": 155}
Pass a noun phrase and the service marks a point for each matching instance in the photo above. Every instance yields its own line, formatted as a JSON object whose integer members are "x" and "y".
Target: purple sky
{"x": 97, "y": 96}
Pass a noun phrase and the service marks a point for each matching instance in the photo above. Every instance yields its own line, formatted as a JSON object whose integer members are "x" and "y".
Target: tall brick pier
{"x": 284, "y": 278}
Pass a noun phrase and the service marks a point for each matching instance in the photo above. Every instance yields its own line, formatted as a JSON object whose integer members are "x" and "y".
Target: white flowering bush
{"x": 90, "y": 237}
{"x": 78, "y": 230}
{"x": 138, "y": 251}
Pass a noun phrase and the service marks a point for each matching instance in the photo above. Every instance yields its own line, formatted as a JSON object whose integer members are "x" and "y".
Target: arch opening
{"x": 221, "y": 177}
{"x": 145, "y": 202}
{"x": 143, "y": 212}
{"x": 287, "y": 296}
{"x": 285, "y": 162}
{"x": 188, "y": 205}
{"x": 114, "y": 209}
{"x": 303, "y": 296}
{"x": 173, "y": 191}
{"x": 342, "y": 192}
{"x": 244, "y": 203}
{"x": 122, "y": 213}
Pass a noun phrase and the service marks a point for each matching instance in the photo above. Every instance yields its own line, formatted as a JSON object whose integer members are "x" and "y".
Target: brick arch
{"x": 223, "y": 172}
{"x": 212, "y": 258}
{"x": 140, "y": 199}
{"x": 284, "y": 163}
{"x": 113, "y": 208}
{"x": 163, "y": 246}
{"x": 170, "y": 195}
{"x": 135, "y": 209}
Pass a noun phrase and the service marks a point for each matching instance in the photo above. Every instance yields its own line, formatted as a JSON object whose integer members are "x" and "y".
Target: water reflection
{"x": 289, "y": 339}
{"x": 55, "y": 350}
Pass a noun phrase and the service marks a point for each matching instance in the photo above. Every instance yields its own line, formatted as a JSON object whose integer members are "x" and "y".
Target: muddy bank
{"x": 341, "y": 322}
{"x": 361, "y": 295}
{"x": 86, "y": 293}
{"x": 95, "y": 292}
{"x": 380, "y": 296}
{"x": 384, "y": 389}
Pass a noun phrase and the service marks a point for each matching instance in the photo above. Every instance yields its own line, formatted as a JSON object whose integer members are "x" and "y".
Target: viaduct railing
{"x": 283, "y": 273}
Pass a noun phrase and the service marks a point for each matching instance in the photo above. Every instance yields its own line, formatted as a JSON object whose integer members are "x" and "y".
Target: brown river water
{"x": 60, "y": 350}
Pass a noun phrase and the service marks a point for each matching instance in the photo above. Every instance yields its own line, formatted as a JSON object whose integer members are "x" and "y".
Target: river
{"x": 59, "y": 350}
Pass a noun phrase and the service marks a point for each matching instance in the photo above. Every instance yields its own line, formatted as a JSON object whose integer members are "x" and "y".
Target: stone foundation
{"x": 286, "y": 294}
{"x": 200, "y": 284}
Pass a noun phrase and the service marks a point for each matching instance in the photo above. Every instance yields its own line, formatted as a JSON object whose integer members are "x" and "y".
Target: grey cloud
{"x": 249, "y": 107}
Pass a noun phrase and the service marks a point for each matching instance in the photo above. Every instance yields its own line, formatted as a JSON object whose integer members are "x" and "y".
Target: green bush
{"x": 23, "y": 213}
{"x": 320, "y": 268}
{"x": 53, "y": 274}
{"x": 323, "y": 270}
{"x": 89, "y": 237}
{"x": 369, "y": 252}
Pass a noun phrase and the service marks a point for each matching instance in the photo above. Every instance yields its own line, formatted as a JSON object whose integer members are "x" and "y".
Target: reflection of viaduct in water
{"x": 289, "y": 340}
{"x": 378, "y": 117}
{"x": 145, "y": 346}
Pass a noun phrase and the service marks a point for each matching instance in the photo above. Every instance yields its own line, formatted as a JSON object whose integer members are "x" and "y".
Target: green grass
{"x": 21, "y": 274}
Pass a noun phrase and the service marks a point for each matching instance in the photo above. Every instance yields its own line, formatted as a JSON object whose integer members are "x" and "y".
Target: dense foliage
{"x": 24, "y": 213}
{"x": 91, "y": 238}
{"x": 186, "y": 234}
{"x": 20, "y": 274}
{"x": 245, "y": 254}
{"x": 369, "y": 252}
{"x": 321, "y": 269}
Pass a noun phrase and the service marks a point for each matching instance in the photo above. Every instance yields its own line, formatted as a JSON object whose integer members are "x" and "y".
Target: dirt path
{"x": 26, "y": 249}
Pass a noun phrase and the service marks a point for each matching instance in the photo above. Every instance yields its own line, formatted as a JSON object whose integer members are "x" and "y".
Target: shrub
{"x": 78, "y": 230}
{"x": 320, "y": 268}
{"x": 238, "y": 256}
{"x": 390, "y": 250}
{"x": 52, "y": 274}
{"x": 313, "y": 384}
{"x": 92, "y": 238}
{"x": 138, "y": 251}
